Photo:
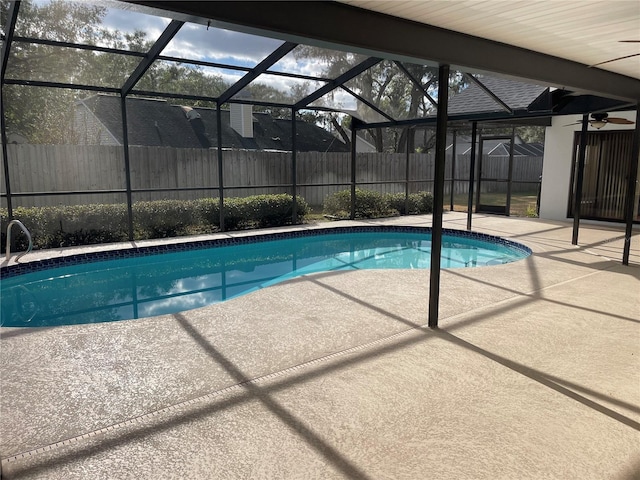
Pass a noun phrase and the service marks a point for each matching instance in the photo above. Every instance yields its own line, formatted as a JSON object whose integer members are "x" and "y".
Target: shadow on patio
{"x": 531, "y": 375}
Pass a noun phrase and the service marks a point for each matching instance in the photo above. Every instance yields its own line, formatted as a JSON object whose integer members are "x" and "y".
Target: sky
{"x": 200, "y": 42}
{"x": 208, "y": 43}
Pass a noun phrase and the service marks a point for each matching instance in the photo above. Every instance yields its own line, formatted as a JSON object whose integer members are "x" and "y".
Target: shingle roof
{"x": 158, "y": 123}
{"x": 517, "y": 95}
{"x": 519, "y": 149}
{"x": 498, "y": 147}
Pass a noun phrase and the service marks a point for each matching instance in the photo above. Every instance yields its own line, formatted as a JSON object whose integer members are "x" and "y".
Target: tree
{"x": 46, "y": 115}
{"x": 178, "y": 78}
{"x": 43, "y": 114}
{"x": 387, "y": 87}
{"x": 531, "y": 134}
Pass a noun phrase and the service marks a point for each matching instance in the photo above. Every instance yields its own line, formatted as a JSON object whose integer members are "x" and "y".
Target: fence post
{"x": 5, "y": 157}
{"x": 294, "y": 173}
{"x": 472, "y": 168}
{"x": 220, "y": 166}
{"x": 406, "y": 179}
{"x": 11, "y": 20}
{"x": 453, "y": 169}
{"x": 538, "y": 196}
{"x": 510, "y": 171}
{"x": 353, "y": 168}
{"x": 127, "y": 163}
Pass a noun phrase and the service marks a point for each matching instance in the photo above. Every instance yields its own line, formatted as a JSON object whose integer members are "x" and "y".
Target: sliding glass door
{"x": 606, "y": 173}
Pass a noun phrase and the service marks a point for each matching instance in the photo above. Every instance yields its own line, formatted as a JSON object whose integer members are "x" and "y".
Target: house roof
{"x": 158, "y": 123}
{"x": 498, "y": 147}
{"x": 515, "y": 94}
{"x": 519, "y": 149}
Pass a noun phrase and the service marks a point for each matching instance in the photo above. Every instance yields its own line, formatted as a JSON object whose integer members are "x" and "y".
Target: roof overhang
{"x": 337, "y": 25}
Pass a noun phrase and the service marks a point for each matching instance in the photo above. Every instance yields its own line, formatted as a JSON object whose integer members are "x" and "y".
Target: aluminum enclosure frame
{"x": 333, "y": 27}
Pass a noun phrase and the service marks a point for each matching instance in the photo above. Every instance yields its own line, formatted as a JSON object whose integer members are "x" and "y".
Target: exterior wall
{"x": 362, "y": 146}
{"x": 556, "y": 168}
{"x": 242, "y": 119}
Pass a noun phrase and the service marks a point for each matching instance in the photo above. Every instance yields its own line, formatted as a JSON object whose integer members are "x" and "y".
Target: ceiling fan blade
{"x": 619, "y": 121}
{"x": 629, "y": 41}
{"x": 615, "y": 59}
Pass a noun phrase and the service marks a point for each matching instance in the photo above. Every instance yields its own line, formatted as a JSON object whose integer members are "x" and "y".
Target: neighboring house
{"x": 158, "y": 123}
{"x": 511, "y": 95}
{"x": 362, "y": 145}
{"x": 520, "y": 149}
{"x": 498, "y": 147}
{"x": 14, "y": 137}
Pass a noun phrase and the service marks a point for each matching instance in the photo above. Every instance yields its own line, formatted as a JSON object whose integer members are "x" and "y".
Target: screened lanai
{"x": 215, "y": 64}
{"x": 285, "y": 79}
{"x": 120, "y": 114}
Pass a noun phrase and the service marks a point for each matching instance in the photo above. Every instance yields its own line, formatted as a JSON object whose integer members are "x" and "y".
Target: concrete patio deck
{"x": 533, "y": 374}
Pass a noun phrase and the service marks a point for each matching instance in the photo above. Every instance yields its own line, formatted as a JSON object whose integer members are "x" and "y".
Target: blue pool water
{"x": 149, "y": 285}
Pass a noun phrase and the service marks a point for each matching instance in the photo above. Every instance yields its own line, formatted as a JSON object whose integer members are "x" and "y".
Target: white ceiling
{"x": 585, "y": 31}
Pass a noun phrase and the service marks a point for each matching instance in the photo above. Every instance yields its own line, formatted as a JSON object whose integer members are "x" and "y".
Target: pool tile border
{"x": 82, "y": 258}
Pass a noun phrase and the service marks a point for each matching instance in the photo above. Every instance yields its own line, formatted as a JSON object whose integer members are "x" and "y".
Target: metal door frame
{"x": 500, "y": 210}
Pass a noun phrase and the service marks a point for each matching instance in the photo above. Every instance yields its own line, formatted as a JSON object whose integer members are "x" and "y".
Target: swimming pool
{"x": 145, "y": 282}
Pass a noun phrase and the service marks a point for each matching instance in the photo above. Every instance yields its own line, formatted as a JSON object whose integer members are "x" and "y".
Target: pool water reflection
{"x": 138, "y": 287}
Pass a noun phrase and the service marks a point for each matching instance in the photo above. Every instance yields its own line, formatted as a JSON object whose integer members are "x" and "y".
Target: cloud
{"x": 229, "y": 76}
{"x": 313, "y": 67}
{"x": 129, "y": 21}
{"x": 196, "y": 42}
{"x": 296, "y": 86}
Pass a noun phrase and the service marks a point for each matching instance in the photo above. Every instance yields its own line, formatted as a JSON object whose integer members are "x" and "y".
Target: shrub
{"x": 162, "y": 218}
{"x": 426, "y": 202}
{"x": 371, "y": 204}
{"x": 274, "y": 210}
{"x": 64, "y": 226}
{"x": 206, "y": 213}
{"x": 398, "y": 201}
{"x": 235, "y": 217}
{"x": 338, "y": 204}
{"x": 261, "y": 211}
{"x": 82, "y": 224}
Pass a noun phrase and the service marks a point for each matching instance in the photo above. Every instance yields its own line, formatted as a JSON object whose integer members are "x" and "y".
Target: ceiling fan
{"x": 599, "y": 120}
{"x": 619, "y": 58}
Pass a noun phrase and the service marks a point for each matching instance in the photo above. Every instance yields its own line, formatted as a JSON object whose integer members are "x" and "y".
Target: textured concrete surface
{"x": 534, "y": 373}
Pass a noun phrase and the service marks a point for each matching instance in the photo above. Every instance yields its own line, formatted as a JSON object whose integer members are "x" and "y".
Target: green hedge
{"x": 64, "y": 226}
{"x": 418, "y": 203}
{"x": 372, "y": 204}
{"x": 369, "y": 204}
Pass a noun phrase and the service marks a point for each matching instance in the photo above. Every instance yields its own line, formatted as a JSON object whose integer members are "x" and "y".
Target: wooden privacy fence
{"x": 168, "y": 173}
